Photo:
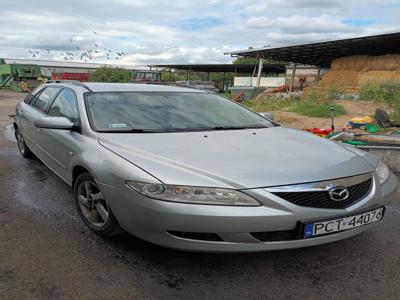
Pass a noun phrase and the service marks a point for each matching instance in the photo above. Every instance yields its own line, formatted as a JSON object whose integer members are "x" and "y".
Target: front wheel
{"x": 22, "y": 147}
{"x": 93, "y": 207}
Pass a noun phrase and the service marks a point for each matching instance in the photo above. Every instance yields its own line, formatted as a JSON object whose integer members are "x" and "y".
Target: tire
{"x": 93, "y": 208}
{"x": 22, "y": 147}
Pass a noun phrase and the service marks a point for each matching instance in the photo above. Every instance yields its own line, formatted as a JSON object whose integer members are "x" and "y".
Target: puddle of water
{"x": 9, "y": 133}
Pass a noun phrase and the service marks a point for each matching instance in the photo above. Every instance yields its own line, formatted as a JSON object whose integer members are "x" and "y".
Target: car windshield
{"x": 167, "y": 112}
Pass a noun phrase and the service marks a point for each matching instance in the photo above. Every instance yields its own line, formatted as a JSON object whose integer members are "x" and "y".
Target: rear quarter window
{"x": 29, "y": 98}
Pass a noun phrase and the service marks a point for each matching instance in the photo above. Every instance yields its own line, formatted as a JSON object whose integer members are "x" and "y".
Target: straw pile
{"x": 350, "y": 73}
{"x": 364, "y": 63}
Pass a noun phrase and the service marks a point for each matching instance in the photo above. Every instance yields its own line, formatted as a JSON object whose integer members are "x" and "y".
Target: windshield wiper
{"x": 169, "y": 130}
{"x": 133, "y": 130}
{"x": 236, "y": 127}
{"x": 136, "y": 130}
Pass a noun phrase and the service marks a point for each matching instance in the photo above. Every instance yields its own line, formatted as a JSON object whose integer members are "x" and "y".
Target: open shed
{"x": 322, "y": 54}
{"x": 236, "y": 69}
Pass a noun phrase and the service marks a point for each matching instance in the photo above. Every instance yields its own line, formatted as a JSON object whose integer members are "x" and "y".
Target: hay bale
{"x": 350, "y": 63}
{"x": 364, "y": 63}
{"x": 340, "y": 78}
{"x": 353, "y": 71}
{"x": 389, "y": 62}
{"x": 378, "y": 77}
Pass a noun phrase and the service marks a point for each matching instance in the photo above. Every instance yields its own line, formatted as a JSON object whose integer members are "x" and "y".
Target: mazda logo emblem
{"x": 338, "y": 193}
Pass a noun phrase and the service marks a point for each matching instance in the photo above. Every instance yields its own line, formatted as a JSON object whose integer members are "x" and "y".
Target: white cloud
{"x": 180, "y": 31}
{"x": 300, "y": 24}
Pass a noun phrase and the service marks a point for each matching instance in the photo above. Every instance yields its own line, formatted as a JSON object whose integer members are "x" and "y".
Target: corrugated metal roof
{"x": 241, "y": 68}
{"x": 61, "y": 64}
{"x": 322, "y": 53}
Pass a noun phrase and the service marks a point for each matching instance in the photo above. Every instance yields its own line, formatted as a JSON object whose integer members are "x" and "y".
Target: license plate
{"x": 329, "y": 226}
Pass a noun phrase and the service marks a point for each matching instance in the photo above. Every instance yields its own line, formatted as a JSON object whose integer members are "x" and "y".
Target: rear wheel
{"x": 93, "y": 207}
{"x": 22, "y": 147}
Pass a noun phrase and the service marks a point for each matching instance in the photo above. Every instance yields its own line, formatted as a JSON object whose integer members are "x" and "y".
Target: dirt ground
{"x": 353, "y": 109}
{"x": 8, "y": 100}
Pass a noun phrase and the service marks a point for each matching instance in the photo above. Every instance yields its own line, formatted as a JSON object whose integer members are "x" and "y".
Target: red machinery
{"x": 70, "y": 76}
{"x": 322, "y": 132}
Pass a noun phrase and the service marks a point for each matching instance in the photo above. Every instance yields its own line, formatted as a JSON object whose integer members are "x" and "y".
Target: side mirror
{"x": 54, "y": 123}
{"x": 267, "y": 115}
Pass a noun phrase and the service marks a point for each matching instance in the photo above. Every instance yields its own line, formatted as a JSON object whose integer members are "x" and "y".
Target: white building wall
{"x": 264, "y": 82}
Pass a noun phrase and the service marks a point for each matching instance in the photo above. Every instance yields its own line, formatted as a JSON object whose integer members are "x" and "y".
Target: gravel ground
{"x": 47, "y": 253}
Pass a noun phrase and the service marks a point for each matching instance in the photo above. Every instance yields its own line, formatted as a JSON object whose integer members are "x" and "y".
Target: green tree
{"x": 244, "y": 60}
{"x": 179, "y": 75}
{"x": 108, "y": 74}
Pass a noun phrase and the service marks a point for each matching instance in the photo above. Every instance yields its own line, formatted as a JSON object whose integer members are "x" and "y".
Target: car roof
{"x": 129, "y": 87}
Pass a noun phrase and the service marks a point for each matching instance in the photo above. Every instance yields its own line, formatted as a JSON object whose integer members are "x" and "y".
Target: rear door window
{"x": 45, "y": 97}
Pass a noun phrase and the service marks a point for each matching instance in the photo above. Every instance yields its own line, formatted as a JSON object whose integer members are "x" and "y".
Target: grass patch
{"x": 395, "y": 115}
{"x": 226, "y": 94}
{"x": 386, "y": 92}
{"x": 310, "y": 107}
{"x": 269, "y": 104}
{"x": 316, "y": 109}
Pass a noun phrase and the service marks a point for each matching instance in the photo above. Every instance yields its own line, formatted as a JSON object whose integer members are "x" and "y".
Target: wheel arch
{"x": 77, "y": 171}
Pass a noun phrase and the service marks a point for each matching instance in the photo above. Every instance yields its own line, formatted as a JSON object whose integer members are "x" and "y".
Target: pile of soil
{"x": 350, "y": 73}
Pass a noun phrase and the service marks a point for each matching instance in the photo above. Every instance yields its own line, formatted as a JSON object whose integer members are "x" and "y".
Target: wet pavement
{"x": 47, "y": 253}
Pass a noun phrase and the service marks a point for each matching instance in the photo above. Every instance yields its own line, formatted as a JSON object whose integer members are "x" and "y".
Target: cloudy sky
{"x": 141, "y": 32}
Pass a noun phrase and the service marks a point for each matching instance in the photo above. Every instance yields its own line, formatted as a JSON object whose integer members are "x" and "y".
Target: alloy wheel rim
{"x": 92, "y": 204}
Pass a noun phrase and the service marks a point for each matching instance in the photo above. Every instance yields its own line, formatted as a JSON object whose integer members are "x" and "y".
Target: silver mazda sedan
{"x": 189, "y": 169}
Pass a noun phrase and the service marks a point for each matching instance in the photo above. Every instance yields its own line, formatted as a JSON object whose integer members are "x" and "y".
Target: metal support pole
{"x": 223, "y": 82}
{"x": 319, "y": 74}
{"x": 293, "y": 75}
{"x": 332, "y": 112}
{"x": 208, "y": 76}
{"x": 254, "y": 71}
{"x": 187, "y": 75}
{"x": 260, "y": 67}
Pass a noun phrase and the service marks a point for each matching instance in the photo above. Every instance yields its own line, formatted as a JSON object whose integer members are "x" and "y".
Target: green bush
{"x": 107, "y": 74}
{"x": 313, "y": 95}
{"x": 395, "y": 115}
{"x": 387, "y": 92}
{"x": 316, "y": 109}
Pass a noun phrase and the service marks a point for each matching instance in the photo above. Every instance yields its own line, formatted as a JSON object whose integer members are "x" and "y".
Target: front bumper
{"x": 153, "y": 220}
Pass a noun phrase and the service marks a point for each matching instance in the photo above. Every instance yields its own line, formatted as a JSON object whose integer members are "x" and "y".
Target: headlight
{"x": 193, "y": 194}
{"x": 383, "y": 172}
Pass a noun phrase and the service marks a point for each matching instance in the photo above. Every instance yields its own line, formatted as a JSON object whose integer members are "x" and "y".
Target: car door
{"x": 28, "y": 113}
{"x": 61, "y": 145}
{"x": 21, "y": 113}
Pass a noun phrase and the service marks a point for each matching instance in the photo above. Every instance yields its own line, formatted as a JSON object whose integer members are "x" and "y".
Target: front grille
{"x": 321, "y": 199}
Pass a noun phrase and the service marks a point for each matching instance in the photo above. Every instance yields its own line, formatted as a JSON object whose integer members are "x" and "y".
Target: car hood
{"x": 237, "y": 158}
